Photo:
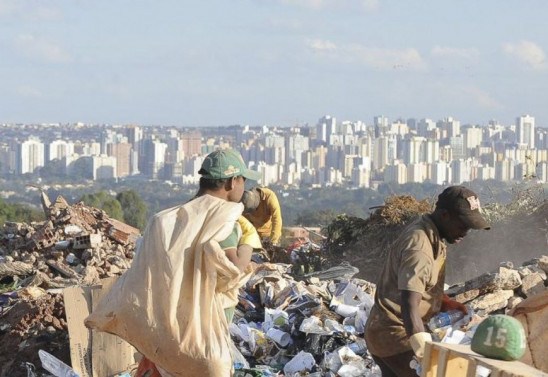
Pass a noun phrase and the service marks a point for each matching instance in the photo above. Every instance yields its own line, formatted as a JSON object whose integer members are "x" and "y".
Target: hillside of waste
{"x": 307, "y": 302}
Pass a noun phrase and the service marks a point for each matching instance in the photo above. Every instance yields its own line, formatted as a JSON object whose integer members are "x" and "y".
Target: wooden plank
{"x": 457, "y": 365}
{"x": 442, "y": 362}
{"x": 110, "y": 354}
{"x": 426, "y": 359}
{"x": 77, "y": 307}
{"x": 498, "y": 367}
{"x": 472, "y": 368}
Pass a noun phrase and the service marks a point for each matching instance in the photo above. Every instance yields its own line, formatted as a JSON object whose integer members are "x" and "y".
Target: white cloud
{"x": 41, "y": 48}
{"x": 455, "y": 53}
{"x": 526, "y": 52}
{"x": 321, "y": 45}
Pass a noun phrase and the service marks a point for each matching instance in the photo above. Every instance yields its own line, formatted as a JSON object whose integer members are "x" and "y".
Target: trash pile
{"x": 314, "y": 325}
{"x": 75, "y": 245}
{"x": 295, "y": 317}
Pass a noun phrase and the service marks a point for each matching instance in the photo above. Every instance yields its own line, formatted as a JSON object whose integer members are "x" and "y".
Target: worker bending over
{"x": 410, "y": 288}
{"x": 262, "y": 209}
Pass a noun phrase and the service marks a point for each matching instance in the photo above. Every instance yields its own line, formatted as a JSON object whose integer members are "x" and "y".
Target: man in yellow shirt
{"x": 262, "y": 209}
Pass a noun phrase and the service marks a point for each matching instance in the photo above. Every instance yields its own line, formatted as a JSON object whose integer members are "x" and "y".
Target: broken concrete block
{"x": 508, "y": 279}
{"x": 513, "y": 302}
{"x": 473, "y": 288}
{"x": 492, "y": 301}
{"x": 90, "y": 276}
{"x": 532, "y": 284}
{"x": 543, "y": 263}
{"x": 524, "y": 271}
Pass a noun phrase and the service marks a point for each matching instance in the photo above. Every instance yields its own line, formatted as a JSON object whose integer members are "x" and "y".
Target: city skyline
{"x": 273, "y": 62}
{"x": 352, "y": 154}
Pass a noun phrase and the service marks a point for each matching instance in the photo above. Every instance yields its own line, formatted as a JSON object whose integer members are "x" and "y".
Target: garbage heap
{"x": 293, "y": 318}
{"x": 75, "y": 245}
{"x": 313, "y": 324}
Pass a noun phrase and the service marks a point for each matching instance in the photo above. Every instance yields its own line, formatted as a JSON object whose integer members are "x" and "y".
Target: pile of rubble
{"x": 75, "y": 245}
{"x": 295, "y": 317}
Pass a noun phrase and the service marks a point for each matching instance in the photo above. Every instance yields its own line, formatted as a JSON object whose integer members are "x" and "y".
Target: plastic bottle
{"x": 358, "y": 347}
{"x": 416, "y": 365}
{"x": 55, "y": 366}
{"x": 444, "y": 319}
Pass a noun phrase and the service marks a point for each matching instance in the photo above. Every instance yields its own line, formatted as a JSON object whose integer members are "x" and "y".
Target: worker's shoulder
{"x": 419, "y": 230}
{"x": 266, "y": 193}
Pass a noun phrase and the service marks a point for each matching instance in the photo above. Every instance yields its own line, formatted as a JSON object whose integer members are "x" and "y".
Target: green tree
{"x": 106, "y": 202}
{"x": 134, "y": 208}
{"x": 18, "y": 213}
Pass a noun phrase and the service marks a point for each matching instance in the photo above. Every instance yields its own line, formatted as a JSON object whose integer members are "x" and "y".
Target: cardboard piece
{"x": 77, "y": 307}
{"x": 94, "y": 354}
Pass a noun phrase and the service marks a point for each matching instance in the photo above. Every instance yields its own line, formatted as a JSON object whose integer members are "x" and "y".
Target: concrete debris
{"x": 76, "y": 245}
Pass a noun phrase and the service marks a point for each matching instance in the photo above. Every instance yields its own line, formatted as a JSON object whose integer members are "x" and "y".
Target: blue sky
{"x": 274, "y": 62}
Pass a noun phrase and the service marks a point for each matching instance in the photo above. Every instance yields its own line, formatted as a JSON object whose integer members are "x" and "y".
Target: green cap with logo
{"x": 226, "y": 163}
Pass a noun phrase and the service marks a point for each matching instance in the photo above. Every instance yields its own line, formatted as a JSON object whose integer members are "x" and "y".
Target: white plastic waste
{"x": 55, "y": 366}
{"x": 279, "y": 336}
{"x": 301, "y": 362}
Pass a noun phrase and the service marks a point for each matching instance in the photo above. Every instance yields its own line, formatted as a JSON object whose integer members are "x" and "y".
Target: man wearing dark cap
{"x": 410, "y": 288}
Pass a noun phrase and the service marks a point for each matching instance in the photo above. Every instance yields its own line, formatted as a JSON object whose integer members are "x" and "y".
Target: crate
{"x": 456, "y": 360}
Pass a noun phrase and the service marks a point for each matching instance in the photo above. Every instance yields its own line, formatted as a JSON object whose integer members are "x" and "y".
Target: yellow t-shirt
{"x": 415, "y": 262}
{"x": 267, "y": 218}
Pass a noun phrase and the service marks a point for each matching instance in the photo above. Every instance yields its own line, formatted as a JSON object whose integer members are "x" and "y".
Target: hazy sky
{"x": 275, "y": 62}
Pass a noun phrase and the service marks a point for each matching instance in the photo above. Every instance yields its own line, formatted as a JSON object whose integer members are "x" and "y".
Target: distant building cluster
{"x": 349, "y": 153}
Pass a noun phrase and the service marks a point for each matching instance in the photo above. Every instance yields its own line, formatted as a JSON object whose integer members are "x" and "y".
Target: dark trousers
{"x": 396, "y": 365}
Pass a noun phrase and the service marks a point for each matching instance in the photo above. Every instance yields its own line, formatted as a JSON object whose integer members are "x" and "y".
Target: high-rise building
{"x": 59, "y": 149}
{"x": 525, "y": 130}
{"x": 381, "y": 125}
{"x": 122, "y": 152}
{"x": 192, "y": 143}
{"x": 395, "y": 173}
{"x": 30, "y": 155}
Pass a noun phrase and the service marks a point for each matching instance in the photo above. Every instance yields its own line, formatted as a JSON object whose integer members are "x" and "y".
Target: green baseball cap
{"x": 226, "y": 163}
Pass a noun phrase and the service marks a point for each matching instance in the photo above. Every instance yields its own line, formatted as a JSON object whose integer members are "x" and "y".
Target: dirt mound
{"x": 31, "y": 325}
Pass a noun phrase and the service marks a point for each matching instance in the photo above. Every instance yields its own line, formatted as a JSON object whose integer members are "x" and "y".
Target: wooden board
{"x": 457, "y": 360}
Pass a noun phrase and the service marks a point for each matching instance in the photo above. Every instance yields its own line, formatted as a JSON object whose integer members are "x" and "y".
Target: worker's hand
{"x": 447, "y": 304}
{"x": 418, "y": 342}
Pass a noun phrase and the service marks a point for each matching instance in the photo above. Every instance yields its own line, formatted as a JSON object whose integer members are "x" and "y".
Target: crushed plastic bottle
{"x": 416, "y": 365}
{"x": 55, "y": 366}
{"x": 444, "y": 319}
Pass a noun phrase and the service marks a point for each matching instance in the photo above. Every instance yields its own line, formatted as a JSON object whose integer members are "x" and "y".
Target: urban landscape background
{"x": 331, "y": 155}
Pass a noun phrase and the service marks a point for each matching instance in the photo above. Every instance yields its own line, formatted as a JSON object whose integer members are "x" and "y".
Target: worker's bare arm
{"x": 410, "y": 312}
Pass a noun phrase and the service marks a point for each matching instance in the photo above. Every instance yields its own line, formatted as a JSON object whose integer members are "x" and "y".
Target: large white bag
{"x": 170, "y": 303}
